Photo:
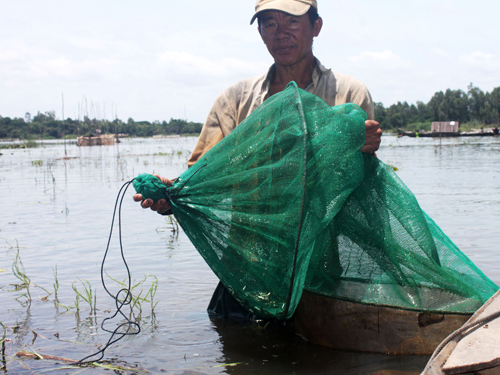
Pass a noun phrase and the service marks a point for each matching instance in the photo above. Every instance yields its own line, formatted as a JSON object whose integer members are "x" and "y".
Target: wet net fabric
{"x": 288, "y": 202}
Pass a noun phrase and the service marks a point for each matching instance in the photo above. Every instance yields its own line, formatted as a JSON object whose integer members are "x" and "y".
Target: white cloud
{"x": 386, "y": 60}
{"x": 440, "y": 53}
{"x": 381, "y": 56}
{"x": 445, "y": 7}
{"x": 180, "y": 65}
{"x": 481, "y": 60}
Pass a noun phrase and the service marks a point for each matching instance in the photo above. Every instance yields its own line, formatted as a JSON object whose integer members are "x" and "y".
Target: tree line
{"x": 46, "y": 126}
{"x": 474, "y": 107}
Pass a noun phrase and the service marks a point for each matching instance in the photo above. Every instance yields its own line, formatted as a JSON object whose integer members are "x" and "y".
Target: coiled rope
{"x": 124, "y": 295}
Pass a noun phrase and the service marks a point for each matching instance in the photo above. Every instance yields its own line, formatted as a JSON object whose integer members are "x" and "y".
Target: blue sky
{"x": 156, "y": 60}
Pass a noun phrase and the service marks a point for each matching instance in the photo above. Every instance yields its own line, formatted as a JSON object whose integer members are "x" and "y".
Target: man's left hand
{"x": 373, "y": 137}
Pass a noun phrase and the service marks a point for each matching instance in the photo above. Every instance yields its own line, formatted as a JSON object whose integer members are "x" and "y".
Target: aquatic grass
{"x": 20, "y": 273}
{"x": 87, "y": 295}
{"x": 55, "y": 283}
{"x": 137, "y": 300}
{"x": 2, "y": 346}
{"x": 174, "y": 224}
{"x": 27, "y": 144}
{"x": 171, "y": 222}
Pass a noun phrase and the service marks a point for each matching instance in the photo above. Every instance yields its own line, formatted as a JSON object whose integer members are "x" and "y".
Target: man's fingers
{"x": 162, "y": 205}
{"x": 147, "y": 203}
{"x": 373, "y": 136}
{"x": 166, "y": 181}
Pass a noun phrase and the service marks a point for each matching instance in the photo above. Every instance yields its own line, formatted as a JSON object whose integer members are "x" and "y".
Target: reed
{"x": 87, "y": 295}
{"x": 137, "y": 300}
{"x": 55, "y": 283}
{"x": 2, "y": 345}
{"x": 20, "y": 273}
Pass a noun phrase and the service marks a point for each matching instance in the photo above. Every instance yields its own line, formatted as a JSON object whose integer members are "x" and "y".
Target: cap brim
{"x": 295, "y": 9}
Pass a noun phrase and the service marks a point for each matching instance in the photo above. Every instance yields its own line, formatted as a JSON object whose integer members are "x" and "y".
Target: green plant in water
{"x": 2, "y": 346}
{"x": 25, "y": 281}
{"x": 87, "y": 295}
{"x": 30, "y": 143}
{"x": 137, "y": 300}
{"x": 56, "y": 282}
{"x": 20, "y": 274}
{"x": 37, "y": 163}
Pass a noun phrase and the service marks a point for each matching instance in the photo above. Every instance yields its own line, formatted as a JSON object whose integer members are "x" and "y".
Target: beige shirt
{"x": 238, "y": 101}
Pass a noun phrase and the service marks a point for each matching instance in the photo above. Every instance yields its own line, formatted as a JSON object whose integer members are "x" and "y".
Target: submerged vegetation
{"x": 23, "y": 293}
{"x": 30, "y": 143}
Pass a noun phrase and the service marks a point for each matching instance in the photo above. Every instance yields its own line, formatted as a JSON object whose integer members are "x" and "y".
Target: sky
{"x": 153, "y": 60}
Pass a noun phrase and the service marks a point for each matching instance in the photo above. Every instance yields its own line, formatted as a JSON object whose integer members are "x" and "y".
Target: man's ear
{"x": 318, "y": 24}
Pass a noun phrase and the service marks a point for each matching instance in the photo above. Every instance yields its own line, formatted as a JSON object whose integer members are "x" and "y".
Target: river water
{"x": 56, "y": 213}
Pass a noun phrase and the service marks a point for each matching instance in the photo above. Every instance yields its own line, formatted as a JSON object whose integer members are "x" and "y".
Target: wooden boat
{"x": 472, "y": 349}
{"x": 166, "y": 136}
{"x": 444, "y": 134}
{"x": 99, "y": 140}
{"x": 368, "y": 328}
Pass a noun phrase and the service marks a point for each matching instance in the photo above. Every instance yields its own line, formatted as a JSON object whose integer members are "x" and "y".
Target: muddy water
{"x": 56, "y": 214}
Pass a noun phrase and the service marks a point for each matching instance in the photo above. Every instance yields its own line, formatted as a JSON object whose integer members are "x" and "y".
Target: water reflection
{"x": 276, "y": 349}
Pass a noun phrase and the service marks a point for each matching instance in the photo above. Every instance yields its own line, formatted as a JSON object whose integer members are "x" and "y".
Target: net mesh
{"x": 287, "y": 201}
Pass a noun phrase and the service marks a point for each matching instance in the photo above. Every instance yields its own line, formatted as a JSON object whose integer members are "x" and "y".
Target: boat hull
{"x": 368, "y": 328}
{"x": 444, "y": 134}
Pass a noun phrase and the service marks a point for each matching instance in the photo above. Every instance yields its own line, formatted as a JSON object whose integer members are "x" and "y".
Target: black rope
{"x": 132, "y": 328}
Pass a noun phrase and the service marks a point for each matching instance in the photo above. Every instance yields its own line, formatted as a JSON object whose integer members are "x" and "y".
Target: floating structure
{"x": 445, "y": 129}
{"x": 475, "y": 133}
{"x": 163, "y": 136}
{"x": 99, "y": 140}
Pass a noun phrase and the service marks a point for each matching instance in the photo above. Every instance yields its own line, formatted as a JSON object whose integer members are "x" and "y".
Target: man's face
{"x": 288, "y": 38}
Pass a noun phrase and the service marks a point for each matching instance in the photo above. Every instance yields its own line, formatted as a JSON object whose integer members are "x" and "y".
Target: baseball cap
{"x": 294, "y": 7}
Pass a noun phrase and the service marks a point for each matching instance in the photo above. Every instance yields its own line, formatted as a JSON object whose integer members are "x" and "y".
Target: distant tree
{"x": 477, "y": 101}
{"x": 495, "y": 105}
{"x": 192, "y": 128}
{"x": 381, "y": 115}
{"x": 423, "y": 112}
{"x": 435, "y": 107}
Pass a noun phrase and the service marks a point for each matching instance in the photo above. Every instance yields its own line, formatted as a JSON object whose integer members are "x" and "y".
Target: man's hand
{"x": 373, "y": 137}
{"x": 161, "y": 206}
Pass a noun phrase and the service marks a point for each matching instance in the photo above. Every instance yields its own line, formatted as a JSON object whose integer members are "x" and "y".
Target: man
{"x": 288, "y": 28}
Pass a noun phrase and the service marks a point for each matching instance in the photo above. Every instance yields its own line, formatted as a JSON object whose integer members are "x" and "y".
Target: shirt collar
{"x": 318, "y": 71}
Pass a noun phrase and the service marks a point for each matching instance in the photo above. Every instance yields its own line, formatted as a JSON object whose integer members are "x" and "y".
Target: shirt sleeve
{"x": 367, "y": 105}
{"x": 220, "y": 121}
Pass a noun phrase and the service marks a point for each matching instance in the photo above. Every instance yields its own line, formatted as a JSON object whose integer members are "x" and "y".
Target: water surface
{"x": 56, "y": 212}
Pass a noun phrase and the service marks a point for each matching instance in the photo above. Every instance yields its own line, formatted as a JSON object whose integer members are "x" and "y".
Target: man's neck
{"x": 300, "y": 73}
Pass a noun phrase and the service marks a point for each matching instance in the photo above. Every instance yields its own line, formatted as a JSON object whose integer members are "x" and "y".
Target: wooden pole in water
{"x": 64, "y": 127}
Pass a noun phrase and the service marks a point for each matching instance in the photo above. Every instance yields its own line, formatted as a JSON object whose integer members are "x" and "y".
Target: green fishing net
{"x": 288, "y": 202}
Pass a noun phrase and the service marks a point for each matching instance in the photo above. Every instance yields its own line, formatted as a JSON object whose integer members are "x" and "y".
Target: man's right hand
{"x": 160, "y": 206}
